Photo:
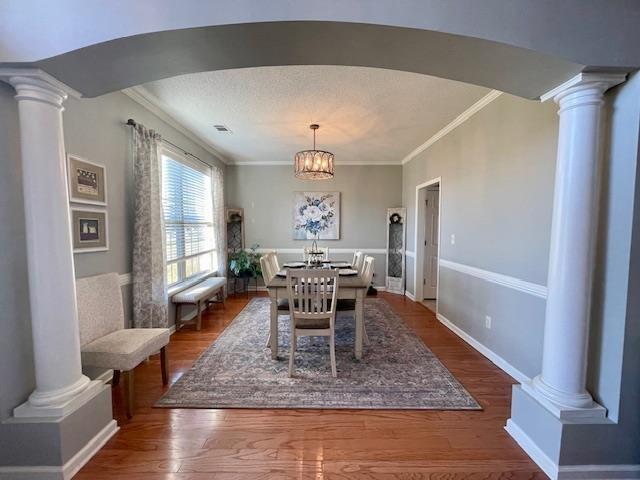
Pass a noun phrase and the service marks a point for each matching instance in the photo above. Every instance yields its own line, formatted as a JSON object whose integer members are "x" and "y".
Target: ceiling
{"x": 366, "y": 115}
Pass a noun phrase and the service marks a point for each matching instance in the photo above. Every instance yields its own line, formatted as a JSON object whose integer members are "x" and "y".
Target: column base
{"x": 580, "y": 407}
{"x": 89, "y": 390}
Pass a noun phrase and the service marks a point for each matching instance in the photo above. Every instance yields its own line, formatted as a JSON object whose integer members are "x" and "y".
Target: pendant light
{"x": 314, "y": 164}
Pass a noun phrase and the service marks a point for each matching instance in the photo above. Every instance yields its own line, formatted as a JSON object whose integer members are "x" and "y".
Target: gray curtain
{"x": 149, "y": 268}
{"x": 219, "y": 221}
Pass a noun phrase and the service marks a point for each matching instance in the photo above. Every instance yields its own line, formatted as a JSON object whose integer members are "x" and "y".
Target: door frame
{"x": 418, "y": 264}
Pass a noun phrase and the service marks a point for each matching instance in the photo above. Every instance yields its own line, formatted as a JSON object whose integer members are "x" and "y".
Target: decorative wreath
{"x": 395, "y": 218}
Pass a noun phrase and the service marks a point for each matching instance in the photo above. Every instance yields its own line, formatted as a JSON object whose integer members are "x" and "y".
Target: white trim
{"x": 610, "y": 78}
{"x": 459, "y": 120}
{"x": 282, "y": 163}
{"x": 409, "y": 295}
{"x": 370, "y": 251}
{"x": 410, "y": 253}
{"x": 69, "y": 469}
{"x": 105, "y": 377}
{"x": 262, "y": 288}
{"x": 125, "y": 279}
{"x": 547, "y": 465}
{"x": 498, "y": 278}
{"x": 500, "y": 362}
{"x": 567, "y": 472}
{"x": 143, "y": 97}
{"x": 418, "y": 264}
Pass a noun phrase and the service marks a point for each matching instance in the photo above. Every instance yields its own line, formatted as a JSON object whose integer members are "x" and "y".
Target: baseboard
{"x": 105, "y": 377}
{"x": 69, "y": 469}
{"x": 490, "y": 354}
{"x": 409, "y": 295}
{"x": 569, "y": 472}
{"x": 541, "y": 459}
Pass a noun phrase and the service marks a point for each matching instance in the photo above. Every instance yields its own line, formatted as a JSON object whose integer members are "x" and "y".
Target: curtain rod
{"x": 132, "y": 123}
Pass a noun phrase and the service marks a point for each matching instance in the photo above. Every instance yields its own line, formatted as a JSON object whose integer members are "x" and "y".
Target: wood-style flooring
{"x": 183, "y": 444}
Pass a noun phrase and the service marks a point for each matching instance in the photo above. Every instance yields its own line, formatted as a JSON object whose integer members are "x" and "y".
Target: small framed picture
{"x": 87, "y": 181}
{"x": 89, "y": 230}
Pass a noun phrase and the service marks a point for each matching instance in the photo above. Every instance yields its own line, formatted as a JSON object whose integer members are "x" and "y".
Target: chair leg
{"x": 128, "y": 392}
{"x": 293, "y": 352}
{"x": 164, "y": 365}
{"x": 199, "y": 320}
{"x": 178, "y": 315}
{"x": 116, "y": 378}
{"x": 365, "y": 337}
{"x": 222, "y": 294}
{"x": 332, "y": 352}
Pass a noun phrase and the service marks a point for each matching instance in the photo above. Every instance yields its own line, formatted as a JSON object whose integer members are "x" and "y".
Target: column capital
{"x": 37, "y": 85}
{"x": 591, "y": 82}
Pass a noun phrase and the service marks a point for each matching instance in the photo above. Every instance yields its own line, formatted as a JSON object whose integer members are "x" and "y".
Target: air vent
{"x": 222, "y": 128}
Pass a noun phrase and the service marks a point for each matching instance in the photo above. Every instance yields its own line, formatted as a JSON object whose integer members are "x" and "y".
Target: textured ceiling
{"x": 366, "y": 115}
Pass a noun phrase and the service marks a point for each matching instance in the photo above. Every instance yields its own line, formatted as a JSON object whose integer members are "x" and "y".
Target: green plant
{"x": 243, "y": 263}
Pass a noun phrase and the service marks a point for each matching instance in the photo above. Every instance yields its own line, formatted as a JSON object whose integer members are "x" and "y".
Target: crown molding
{"x": 141, "y": 96}
{"x": 459, "y": 120}
{"x": 35, "y": 73}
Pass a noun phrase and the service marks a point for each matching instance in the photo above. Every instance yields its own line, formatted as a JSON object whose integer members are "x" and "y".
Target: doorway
{"x": 428, "y": 213}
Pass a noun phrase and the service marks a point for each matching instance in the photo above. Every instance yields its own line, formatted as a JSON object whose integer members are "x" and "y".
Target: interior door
{"x": 431, "y": 236}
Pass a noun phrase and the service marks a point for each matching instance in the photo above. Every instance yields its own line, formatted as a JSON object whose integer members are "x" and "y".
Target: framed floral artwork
{"x": 316, "y": 215}
{"x": 87, "y": 181}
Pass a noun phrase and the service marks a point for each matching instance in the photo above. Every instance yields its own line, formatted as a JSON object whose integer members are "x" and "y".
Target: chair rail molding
{"x": 497, "y": 278}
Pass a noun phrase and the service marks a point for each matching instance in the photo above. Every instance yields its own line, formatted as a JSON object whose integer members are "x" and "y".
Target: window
{"x": 188, "y": 217}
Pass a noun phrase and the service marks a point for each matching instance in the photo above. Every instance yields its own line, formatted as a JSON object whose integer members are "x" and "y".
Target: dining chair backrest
{"x": 307, "y": 251}
{"x": 312, "y": 292}
{"x": 368, "y": 270}
{"x": 358, "y": 261}
{"x": 269, "y": 266}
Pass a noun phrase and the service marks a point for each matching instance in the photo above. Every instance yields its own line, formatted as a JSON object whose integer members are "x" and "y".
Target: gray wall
{"x": 94, "y": 129}
{"x": 497, "y": 173}
{"x": 266, "y": 194}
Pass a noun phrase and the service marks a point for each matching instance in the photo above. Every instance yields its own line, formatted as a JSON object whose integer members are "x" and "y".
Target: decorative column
{"x": 60, "y": 384}
{"x": 562, "y": 384}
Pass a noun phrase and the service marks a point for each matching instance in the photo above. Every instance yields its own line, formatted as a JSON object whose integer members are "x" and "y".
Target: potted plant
{"x": 245, "y": 263}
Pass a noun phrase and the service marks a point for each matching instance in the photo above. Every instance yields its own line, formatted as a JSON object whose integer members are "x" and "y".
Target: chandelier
{"x": 313, "y": 164}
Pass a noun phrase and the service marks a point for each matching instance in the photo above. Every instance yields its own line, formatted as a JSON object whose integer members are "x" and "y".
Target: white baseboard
{"x": 569, "y": 472}
{"x": 409, "y": 295}
{"x": 69, "y": 469}
{"x": 490, "y": 354}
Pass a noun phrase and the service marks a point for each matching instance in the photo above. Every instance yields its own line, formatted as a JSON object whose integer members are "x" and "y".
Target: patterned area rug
{"x": 397, "y": 370}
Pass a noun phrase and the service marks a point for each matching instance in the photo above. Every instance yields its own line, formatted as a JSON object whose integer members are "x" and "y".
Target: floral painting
{"x": 316, "y": 215}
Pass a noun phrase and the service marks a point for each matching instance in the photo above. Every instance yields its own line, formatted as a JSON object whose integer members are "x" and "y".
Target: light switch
{"x": 487, "y": 321}
{"x": 453, "y": 239}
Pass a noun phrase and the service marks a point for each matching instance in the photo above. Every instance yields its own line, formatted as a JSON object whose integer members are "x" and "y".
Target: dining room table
{"x": 350, "y": 286}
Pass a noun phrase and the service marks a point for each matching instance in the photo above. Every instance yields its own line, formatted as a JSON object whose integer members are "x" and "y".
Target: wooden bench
{"x": 196, "y": 295}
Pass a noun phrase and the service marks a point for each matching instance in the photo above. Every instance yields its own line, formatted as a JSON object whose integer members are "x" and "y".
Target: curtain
{"x": 149, "y": 267}
{"x": 219, "y": 221}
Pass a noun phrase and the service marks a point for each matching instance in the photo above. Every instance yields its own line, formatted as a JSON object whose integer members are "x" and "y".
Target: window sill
{"x": 190, "y": 282}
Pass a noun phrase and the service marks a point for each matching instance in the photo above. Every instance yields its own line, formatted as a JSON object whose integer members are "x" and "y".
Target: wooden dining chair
{"x": 312, "y": 307}
{"x": 348, "y": 305}
{"x": 270, "y": 267}
{"x": 358, "y": 261}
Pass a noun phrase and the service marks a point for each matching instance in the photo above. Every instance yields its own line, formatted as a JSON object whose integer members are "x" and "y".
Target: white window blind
{"x": 188, "y": 218}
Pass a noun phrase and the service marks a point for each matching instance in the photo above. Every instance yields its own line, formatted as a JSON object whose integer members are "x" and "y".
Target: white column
{"x": 54, "y": 320}
{"x": 562, "y": 382}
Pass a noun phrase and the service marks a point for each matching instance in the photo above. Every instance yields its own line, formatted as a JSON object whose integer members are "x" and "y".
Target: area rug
{"x": 397, "y": 370}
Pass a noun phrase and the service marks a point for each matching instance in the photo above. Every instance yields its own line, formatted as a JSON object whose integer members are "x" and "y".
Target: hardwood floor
{"x": 183, "y": 444}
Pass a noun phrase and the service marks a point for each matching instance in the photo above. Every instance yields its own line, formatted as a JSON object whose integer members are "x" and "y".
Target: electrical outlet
{"x": 487, "y": 321}
{"x": 453, "y": 239}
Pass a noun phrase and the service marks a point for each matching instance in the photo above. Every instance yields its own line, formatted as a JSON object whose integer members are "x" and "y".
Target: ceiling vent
{"x": 222, "y": 129}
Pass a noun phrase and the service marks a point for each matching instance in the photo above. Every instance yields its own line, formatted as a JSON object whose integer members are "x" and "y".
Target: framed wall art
{"x": 87, "y": 181}
{"x": 316, "y": 215}
{"x": 90, "y": 230}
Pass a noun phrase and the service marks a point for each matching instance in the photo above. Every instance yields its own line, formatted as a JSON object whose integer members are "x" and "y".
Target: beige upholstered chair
{"x": 105, "y": 341}
{"x": 358, "y": 261}
{"x": 312, "y": 306}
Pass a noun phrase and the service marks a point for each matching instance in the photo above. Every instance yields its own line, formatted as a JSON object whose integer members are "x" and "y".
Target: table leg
{"x": 273, "y": 336}
{"x": 360, "y": 293}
